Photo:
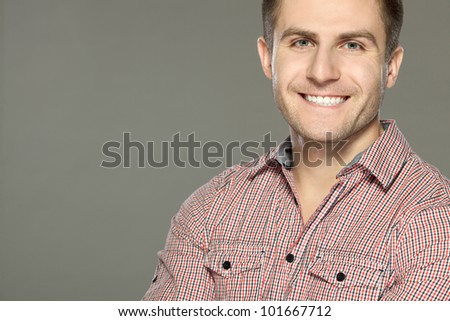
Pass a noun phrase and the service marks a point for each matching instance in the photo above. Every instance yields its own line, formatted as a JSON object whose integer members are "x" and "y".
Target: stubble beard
{"x": 351, "y": 126}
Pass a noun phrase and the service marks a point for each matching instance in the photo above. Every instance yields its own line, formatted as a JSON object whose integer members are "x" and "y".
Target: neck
{"x": 318, "y": 163}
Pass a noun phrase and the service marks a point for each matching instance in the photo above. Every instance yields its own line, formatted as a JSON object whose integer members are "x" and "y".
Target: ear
{"x": 265, "y": 57}
{"x": 394, "y": 67}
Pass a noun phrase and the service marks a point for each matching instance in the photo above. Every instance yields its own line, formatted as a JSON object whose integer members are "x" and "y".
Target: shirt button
{"x": 340, "y": 277}
{"x": 290, "y": 257}
{"x": 226, "y": 265}
{"x": 154, "y": 279}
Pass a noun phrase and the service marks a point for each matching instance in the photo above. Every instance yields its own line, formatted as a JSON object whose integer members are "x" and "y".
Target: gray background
{"x": 75, "y": 74}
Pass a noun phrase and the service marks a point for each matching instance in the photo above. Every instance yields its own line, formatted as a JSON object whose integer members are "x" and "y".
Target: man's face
{"x": 328, "y": 66}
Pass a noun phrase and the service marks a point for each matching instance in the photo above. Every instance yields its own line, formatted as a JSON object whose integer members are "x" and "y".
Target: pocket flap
{"x": 229, "y": 260}
{"x": 346, "y": 271}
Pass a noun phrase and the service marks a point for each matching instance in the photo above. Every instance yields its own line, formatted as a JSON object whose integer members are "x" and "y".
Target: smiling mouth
{"x": 325, "y": 101}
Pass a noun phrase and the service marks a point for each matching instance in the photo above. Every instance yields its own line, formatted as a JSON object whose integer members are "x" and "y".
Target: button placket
{"x": 304, "y": 241}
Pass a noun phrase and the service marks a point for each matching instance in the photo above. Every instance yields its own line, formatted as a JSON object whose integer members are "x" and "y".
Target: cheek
{"x": 288, "y": 69}
{"x": 364, "y": 73}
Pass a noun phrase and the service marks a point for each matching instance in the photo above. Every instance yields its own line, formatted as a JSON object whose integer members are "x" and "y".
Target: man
{"x": 372, "y": 223}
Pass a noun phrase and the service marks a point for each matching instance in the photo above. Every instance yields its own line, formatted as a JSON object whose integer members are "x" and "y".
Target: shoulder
{"x": 432, "y": 184}
{"x": 428, "y": 214}
{"x": 201, "y": 200}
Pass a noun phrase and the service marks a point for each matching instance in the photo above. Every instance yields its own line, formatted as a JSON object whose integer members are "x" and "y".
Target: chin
{"x": 321, "y": 135}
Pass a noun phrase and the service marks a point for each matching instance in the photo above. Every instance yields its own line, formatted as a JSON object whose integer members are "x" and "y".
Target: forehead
{"x": 328, "y": 16}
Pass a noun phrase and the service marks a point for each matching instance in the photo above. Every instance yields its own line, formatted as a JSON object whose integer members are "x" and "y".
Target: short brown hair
{"x": 391, "y": 15}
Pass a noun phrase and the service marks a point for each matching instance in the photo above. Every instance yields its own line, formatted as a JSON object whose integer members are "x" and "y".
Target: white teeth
{"x": 325, "y": 101}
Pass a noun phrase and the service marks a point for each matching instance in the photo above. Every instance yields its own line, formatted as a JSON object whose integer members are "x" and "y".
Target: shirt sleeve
{"x": 181, "y": 273}
{"x": 422, "y": 263}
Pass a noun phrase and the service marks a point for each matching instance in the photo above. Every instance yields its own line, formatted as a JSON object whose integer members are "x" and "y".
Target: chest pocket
{"x": 236, "y": 270}
{"x": 337, "y": 276}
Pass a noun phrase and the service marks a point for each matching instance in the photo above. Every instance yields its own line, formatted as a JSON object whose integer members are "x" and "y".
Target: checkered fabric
{"x": 382, "y": 233}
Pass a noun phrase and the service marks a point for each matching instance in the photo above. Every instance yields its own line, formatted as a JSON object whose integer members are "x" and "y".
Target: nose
{"x": 324, "y": 67}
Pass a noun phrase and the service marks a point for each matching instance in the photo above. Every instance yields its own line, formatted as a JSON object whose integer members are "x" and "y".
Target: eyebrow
{"x": 359, "y": 34}
{"x": 363, "y": 33}
{"x": 297, "y": 32}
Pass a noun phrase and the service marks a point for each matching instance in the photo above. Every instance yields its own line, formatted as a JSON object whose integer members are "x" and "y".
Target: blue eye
{"x": 353, "y": 46}
{"x": 302, "y": 43}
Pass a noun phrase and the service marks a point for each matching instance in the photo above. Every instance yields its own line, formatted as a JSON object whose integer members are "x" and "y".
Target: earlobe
{"x": 265, "y": 57}
{"x": 394, "y": 66}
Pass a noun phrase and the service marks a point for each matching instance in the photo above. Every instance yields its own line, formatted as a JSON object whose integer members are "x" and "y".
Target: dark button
{"x": 226, "y": 265}
{"x": 290, "y": 257}
{"x": 154, "y": 279}
{"x": 340, "y": 277}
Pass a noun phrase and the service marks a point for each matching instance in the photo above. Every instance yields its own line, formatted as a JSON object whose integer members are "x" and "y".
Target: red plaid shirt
{"x": 382, "y": 233}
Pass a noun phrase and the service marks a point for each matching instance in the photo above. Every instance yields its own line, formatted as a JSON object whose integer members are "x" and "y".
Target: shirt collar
{"x": 383, "y": 159}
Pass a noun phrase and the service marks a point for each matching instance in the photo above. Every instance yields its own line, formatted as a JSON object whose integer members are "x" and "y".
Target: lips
{"x": 325, "y": 101}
